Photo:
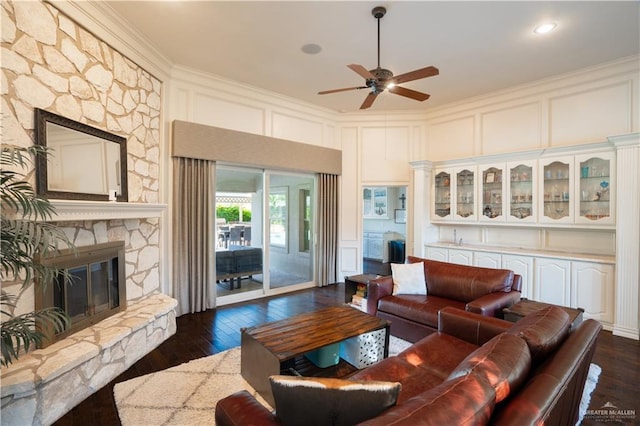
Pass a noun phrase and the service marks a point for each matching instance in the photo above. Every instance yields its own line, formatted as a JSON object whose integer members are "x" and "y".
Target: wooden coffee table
{"x": 271, "y": 348}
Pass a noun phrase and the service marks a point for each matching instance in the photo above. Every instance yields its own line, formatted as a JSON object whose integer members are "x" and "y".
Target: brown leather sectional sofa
{"x": 485, "y": 291}
{"x": 474, "y": 370}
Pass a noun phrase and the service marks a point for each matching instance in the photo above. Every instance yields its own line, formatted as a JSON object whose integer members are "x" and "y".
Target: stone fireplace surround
{"x": 46, "y": 383}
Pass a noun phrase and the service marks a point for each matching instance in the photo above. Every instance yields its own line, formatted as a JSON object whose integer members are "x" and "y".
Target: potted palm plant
{"x": 25, "y": 235}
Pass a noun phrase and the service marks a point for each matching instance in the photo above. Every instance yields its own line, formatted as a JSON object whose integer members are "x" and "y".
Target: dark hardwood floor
{"x": 210, "y": 332}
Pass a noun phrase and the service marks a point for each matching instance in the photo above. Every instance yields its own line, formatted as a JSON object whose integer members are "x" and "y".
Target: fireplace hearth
{"x": 96, "y": 290}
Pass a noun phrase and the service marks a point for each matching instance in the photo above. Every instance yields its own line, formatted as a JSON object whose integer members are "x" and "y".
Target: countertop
{"x": 584, "y": 257}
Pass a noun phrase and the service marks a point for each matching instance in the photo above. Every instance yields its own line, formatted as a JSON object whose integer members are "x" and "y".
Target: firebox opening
{"x": 96, "y": 290}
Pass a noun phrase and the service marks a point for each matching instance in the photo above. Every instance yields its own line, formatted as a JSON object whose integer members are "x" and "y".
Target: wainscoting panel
{"x": 504, "y": 128}
{"x": 591, "y": 115}
{"x": 297, "y": 129}
{"x": 214, "y": 111}
{"x": 388, "y": 146}
{"x": 451, "y": 139}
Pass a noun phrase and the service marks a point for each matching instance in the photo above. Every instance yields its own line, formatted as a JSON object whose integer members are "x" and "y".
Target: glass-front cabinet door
{"x": 492, "y": 193}
{"x": 464, "y": 192}
{"x": 557, "y": 190}
{"x": 522, "y": 192}
{"x": 595, "y": 176}
{"x": 442, "y": 195}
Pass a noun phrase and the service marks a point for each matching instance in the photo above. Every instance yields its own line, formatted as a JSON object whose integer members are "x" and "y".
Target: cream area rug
{"x": 187, "y": 394}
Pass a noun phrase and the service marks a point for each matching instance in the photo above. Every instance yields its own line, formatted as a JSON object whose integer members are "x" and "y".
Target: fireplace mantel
{"x": 70, "y": 210}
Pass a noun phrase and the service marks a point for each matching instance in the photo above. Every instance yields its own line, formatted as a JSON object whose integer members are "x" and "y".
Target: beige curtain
{"x": 193, "y": 235}
{"x": 327, "y": 247}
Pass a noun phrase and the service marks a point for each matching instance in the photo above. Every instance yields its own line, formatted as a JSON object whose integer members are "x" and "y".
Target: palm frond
{"x": 25, "y": 236}
{"x": 24, "y": 331}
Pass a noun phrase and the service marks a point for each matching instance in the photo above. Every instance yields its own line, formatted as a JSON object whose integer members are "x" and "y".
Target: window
{"x": 305, "y": 221}
{"x": 278, "y": 208}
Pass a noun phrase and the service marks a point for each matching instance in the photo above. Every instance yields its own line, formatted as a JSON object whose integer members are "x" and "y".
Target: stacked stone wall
{"x": 50, "y": 62}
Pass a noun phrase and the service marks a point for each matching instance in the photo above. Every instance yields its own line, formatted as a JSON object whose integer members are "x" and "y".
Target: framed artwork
{"x": 490, "y": 177}
{"x": 400, "y": 216}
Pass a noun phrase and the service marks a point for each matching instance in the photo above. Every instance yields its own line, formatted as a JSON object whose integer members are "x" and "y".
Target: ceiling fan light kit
{"x": 379, "y": 79}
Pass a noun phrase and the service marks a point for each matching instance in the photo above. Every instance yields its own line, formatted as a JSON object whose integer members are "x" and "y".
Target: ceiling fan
{"x": 379, "y": 79}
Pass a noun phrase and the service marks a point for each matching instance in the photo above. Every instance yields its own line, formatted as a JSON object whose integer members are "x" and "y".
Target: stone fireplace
{"x": 94, "y": 290}
{"x": 46, "y": 383}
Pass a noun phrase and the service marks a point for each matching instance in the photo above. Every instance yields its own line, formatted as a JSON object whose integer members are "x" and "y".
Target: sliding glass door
{"x": 291, "y": 209}
{"x": 239, "y": 228}
{"x": 264, "y": 228}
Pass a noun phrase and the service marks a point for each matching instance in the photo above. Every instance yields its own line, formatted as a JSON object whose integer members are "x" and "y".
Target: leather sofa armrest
{"x": 491, "y": 304}
{"x": 517, "y": 283}
{"x": 377, "y": 289}
{"x": 470, "y": 327}
{"x": 241, "y": 408}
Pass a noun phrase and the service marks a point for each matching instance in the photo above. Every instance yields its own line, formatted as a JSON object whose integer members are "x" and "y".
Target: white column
{"x": 423, "y": 230}
{"x": 627, "y": 236}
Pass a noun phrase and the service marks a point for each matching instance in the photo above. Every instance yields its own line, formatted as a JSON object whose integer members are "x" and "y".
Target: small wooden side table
{"x": 351, "y": 285}
{"x": 525, "y": 307}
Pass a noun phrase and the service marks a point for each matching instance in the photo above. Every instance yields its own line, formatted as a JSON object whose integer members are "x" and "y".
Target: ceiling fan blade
{"x": 368, "y": 101}
{"x": 341, "y": 90}
{"x": 417, "y": 74}
{"x": 362, "y": 71}
{"x": 413, "y": 94}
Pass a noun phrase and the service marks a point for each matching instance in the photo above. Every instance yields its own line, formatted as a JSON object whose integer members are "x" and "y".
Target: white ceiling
{"x": 479, "y": 47}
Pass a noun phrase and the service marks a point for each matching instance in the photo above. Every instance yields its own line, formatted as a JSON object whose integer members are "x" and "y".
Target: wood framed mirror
{"x": 83, "y": 162}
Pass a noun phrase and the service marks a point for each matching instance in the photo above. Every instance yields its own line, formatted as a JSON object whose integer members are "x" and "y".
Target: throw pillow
{"x": 319, "y": 401}
{"x": 408, "y": 278}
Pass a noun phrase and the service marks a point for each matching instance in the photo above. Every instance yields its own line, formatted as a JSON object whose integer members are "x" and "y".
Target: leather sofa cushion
{"x": 413, "y": 379}
{"x": 544, "y": 331}
{"x": 421, "y": 309}
{"x": 503, "y": 361}
{"x": 439, "y": 354}
{"x": 461, "y": 282}
{"x": 466, "y": 400}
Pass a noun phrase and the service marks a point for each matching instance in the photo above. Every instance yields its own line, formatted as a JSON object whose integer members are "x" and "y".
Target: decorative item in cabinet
{"x": 521, "y": 192}
{"x": 442, "y": 195}
{"x": 556, "y": 187}
{"x": 464, "y": 192}
{"x": 492, "y": 193}
{"x": 595, "y": 188}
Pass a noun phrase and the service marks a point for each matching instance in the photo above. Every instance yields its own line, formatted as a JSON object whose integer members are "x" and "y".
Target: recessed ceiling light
{"x": 544, "y": 28}
{"x": 311, "y": 49}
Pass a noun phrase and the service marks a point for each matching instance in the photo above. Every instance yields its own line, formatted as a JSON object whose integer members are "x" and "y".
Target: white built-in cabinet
{"x": 437, "y": 253}
{"x": 592, "y": 289}
{"x": 373, "y": 245}
{"x": 492, "y": 192}
{"x": 557, "y": 190}
{"x": 552, "y": 281}
{"x": 595, "y": 182}
{"x": 460, "y": 257}
{"x": 560, "y": 281}
{"x": 486, "y": 259}
{"x": 522, "y": 191}
{"x": 556, "y": 183}
{"x": 523, "y": 266}
{"x": 455, "y": 194}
